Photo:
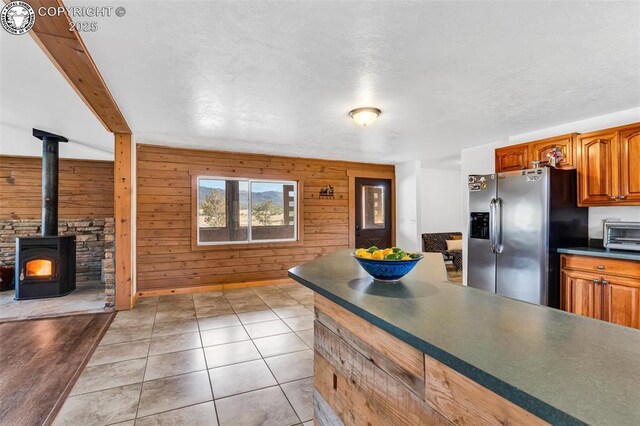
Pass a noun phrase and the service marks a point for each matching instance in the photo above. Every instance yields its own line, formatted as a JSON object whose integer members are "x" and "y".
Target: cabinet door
{"x": 538, "y": 150}
{"x": 512, "y": 158}
{"x": 630, "y": 167}
{"x": 598, "y": 169}
{"x": 621, "y": 301}
{"x": 581, "y": 294}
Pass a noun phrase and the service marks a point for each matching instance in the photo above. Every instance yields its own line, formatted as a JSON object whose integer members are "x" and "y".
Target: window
{"x": 246, "y": 211}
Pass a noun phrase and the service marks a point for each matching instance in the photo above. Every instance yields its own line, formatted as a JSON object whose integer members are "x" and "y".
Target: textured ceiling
{"x": 280, "y": 77}
{"x": 34, "y": 94}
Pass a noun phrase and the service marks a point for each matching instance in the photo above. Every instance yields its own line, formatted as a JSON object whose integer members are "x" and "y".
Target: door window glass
{"x": 373, "y": 207}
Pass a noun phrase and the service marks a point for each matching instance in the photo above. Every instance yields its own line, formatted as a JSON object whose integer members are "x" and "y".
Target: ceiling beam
{"x": 69, "y": 54}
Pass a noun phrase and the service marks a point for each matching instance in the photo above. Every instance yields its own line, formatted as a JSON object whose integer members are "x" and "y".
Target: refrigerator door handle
{"x": 498, "y": 227}
{"x": 492, "y": 225}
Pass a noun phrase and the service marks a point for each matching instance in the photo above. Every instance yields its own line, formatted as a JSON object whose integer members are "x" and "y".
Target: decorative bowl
{"x": 387, "y": 270}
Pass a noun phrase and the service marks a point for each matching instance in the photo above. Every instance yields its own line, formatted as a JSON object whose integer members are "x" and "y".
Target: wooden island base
{"x": 365, "y": 376}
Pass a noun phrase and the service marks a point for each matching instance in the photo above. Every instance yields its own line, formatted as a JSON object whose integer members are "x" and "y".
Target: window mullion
{"x": 250, "y": 212}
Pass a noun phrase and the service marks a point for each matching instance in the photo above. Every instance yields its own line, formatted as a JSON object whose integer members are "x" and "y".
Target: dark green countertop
{"x": 600, "y": 252}
{"x": 563, "y": 368}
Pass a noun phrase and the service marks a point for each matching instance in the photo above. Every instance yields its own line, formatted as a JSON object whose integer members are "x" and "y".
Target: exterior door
{"x": 630, "y": 166}
{"x": 598, "y": 168}
{"x": 373, "y": 212}
{"x": 581, "y": 294}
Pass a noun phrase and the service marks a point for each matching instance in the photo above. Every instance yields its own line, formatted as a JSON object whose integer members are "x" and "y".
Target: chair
{"x": 437, "y": 243}
{"x": 437, "y": 268}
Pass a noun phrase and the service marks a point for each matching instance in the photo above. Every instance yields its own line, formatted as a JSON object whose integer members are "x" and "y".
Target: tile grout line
{"x": 202, "y": 347}
{"x": 274, "y": 376}
{"x": 206, "y": 363}
{"x": 146, "y": 362}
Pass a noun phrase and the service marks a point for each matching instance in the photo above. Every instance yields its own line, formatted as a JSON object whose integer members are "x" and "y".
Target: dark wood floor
{"x": 39, "y": 362}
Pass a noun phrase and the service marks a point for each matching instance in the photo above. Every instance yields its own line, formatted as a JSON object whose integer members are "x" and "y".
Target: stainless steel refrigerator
{"x": 517, "y": 222}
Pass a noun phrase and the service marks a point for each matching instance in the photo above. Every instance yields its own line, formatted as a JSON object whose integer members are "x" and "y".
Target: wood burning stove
{"x": 46, "y": 265}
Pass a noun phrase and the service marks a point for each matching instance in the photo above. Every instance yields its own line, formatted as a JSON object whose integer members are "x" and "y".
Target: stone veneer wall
{"x": 95, "y": 247}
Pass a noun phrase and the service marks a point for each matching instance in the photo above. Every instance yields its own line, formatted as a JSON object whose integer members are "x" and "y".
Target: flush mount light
{"x": 365, "y": 116}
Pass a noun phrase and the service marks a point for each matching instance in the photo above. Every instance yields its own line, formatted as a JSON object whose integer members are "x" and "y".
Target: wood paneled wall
{"x": 165, "y": 257}
{"x": 85, "y": 188}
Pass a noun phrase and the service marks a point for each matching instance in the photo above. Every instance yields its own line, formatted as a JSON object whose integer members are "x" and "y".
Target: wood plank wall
{"x": 165, "y": 258}
{"x": 85, "y": 188}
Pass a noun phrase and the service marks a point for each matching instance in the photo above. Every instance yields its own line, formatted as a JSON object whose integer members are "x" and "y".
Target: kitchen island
{"x": 426, "y": 352}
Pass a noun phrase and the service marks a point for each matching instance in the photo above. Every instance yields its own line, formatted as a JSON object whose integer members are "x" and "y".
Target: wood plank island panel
{"x": 85, "y": 188}
{"x": 166, "y": 258}
{"x": 361, "y": 377}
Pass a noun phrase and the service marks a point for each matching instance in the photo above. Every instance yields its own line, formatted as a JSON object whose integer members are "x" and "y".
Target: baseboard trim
{"x": 212, "y": 287}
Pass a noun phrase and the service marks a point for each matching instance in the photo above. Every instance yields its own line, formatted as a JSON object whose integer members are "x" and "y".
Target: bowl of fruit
{"x": 388, "y": 264}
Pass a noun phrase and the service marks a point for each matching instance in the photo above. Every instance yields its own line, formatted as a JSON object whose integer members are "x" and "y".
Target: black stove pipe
{"x": 50, "y": 158}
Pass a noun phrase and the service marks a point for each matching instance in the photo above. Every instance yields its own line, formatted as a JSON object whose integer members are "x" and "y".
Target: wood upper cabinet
{"x": 598, "y": 168}
{"x": 519, "y": 157}
{"x": 609, "y": 167}
{"x": 538, "y": 150}
{"x": 510, "y": 158}
{"x": 630, "y": 165}
{"x": 612, "y": 295}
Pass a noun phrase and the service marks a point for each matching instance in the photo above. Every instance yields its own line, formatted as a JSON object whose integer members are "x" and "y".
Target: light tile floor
{"x": 236, "y": 357}
{"x": 88, "y": 297}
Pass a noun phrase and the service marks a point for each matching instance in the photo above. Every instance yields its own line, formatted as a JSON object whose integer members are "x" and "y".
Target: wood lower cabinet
{"x": 620, "y": 301}
{"x": 581, "y": 294}
{"x": 511, "y": 158}
{"x": 612, "y": 295}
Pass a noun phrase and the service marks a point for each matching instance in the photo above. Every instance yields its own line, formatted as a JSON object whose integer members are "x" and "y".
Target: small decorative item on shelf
{"x": 555, "y": 156}
{"x": 327, "y": 192}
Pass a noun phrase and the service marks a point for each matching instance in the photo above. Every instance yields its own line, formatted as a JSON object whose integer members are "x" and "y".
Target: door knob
{"x": 622, "y": 197}
{"x": 605, "y": 282}
{"x": 613, "y": 198}
{"x": 596, "y": 281}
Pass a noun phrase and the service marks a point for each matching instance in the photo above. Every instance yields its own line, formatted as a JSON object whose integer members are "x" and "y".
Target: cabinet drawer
{"x": 602, "y": 265}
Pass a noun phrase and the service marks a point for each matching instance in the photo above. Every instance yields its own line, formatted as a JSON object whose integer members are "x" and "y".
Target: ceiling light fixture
{"x": 365, "y": 116}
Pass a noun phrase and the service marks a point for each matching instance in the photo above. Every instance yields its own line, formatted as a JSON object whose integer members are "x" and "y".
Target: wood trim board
{"x": 214, "y": 287}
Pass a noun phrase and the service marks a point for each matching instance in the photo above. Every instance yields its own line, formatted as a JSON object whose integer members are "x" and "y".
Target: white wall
{"x": 408, "y": 182}
{"x": 480, "y": 160}
{"x": 440, "y": 200}
{"x": 598, "y": 214}
{"x": 35, "y": 94}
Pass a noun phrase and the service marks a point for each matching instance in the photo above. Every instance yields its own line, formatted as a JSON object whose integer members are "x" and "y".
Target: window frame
{"x": 249, "y": 242}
